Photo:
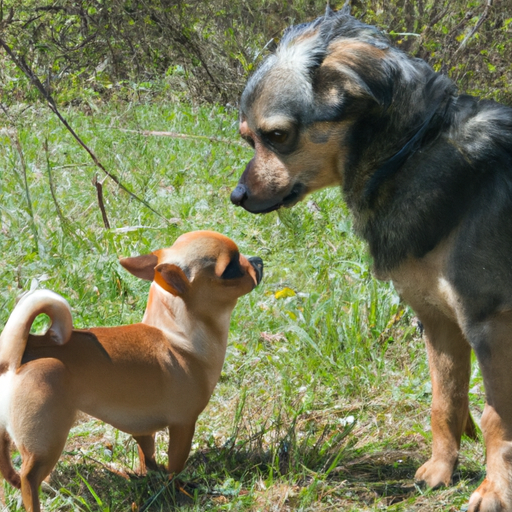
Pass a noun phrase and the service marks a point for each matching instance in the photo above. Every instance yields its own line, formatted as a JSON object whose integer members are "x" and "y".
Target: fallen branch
{"x": 24, "y": 67}
{"x": 176, "y": 135}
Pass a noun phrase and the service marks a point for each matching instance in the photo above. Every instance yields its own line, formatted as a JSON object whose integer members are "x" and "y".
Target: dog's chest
{"x": 423, "y": 284}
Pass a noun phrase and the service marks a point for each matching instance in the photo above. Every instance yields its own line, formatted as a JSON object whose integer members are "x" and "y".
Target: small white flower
{"x": 347, "y": 421}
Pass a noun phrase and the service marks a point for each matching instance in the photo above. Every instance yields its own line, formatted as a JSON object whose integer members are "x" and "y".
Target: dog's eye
{"x": 277, "y": 136}
{"x": 233, "y": 270}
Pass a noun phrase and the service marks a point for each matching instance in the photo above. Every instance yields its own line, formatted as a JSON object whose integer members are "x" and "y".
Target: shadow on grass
{"x": 220, "y": 475}
{"x": 97, "y": 487}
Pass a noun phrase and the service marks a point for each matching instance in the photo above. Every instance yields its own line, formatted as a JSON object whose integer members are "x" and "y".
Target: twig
{"x": 99, "y": 191}
{"x": 439, "y": 16}
{"x": 386, "y": 333}
{"x": 176, "y": 135}
{"x": 15, "y": 141}
{"x": 413, "y": 34}
{"x": 63, "y": 219}
{"x": 23, "y": 66}
{"x": 479, "y": 23}
{"x": 70, "y": 166}
{"x": 7, "y": 20}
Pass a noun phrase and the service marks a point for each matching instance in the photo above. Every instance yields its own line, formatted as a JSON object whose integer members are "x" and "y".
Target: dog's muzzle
{"x": 257, "y": 264}
{"x": 241, "y": 196}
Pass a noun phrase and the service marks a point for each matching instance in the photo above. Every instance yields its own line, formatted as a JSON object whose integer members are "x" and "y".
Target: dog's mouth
{"x": 241, "y": 197}
{"x": 296, "y": 194}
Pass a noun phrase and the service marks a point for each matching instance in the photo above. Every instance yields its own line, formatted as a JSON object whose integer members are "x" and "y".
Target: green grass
{"x": 323, "y": 403}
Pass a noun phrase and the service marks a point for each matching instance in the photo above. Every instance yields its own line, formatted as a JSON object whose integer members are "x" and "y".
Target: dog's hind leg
{"x": 39, "y": 460}
{"x": 40, "y": 424}
{"x": 146, "y": 446}
{"x": 33, "y": 472}
{"x": 471, "y": 430}
{"x": 180, "y": 442}
{"x": 6, "y": 468}
{"x": 493, "y": 346}
{"x": 449, "y": 357}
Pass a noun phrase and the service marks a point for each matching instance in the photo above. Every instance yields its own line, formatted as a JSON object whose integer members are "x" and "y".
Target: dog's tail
{"x": 13, "y": 342}
{"x": 13, "y": 339}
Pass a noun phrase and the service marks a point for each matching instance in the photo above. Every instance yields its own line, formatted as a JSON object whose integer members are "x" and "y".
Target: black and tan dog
{"x": 140, "y": 378}
{"x": 428, "y": 176}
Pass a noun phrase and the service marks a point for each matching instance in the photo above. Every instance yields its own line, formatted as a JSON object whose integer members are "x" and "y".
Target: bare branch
{"x": 23, "y": 66}
{"x": 479, "y": 23}
{"x": 15, "y": 141}
{"x": 99, "y": 191}
{"x": 176, "y": 135}
{"x": 52, "y": 188}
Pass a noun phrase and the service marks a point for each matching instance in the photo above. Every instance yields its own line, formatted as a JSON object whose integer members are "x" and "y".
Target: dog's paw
{"x": 487, "y": 499}
{"x": 435, "y": 473}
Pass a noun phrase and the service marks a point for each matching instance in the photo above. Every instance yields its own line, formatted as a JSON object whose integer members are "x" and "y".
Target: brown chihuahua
{"x": 139, "y": 378}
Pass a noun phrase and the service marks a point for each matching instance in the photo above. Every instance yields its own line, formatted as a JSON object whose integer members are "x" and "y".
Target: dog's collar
{"x": 393, "y": 164}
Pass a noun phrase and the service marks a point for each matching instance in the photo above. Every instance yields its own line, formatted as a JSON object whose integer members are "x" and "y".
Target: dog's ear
{"x": 142, "y": 267}
{"x": 172, "y": 278}
{"x": 222, "y": 262}
{"x": 333, "y": 90}
{"x": 337, "y": 84}
{"x": 328, "y": 11}
{"x": 344, "y": 11}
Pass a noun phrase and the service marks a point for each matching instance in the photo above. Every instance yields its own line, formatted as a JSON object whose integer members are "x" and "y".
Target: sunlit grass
{"x": 323, "y": 400}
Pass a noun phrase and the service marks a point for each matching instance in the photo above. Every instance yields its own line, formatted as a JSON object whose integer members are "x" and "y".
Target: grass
{"x": 323, "y": 403}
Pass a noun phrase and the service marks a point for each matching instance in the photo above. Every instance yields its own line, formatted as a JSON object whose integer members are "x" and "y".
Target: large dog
{"x": 427, "y": 175}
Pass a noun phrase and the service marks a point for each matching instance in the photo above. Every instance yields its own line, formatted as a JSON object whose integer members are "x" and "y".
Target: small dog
{"x": 139, "y": 378}
{"x": 427, "y": 175}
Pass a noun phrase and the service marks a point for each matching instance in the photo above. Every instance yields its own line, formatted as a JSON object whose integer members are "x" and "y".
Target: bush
{"x": 205, "y": 50}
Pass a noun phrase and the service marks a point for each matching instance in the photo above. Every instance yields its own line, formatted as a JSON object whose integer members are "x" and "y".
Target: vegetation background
{"x": 323, "y": 402}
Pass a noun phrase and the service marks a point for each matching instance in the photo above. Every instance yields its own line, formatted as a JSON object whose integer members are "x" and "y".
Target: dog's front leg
{"x": 450, "y": 365}
{"x": 180, "y": 442}
{"x": 492, "y": 342}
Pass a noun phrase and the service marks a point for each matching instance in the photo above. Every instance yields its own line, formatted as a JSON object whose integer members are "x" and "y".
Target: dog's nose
{"x": 257, "y": 264}
{"x": 238, "y": 195}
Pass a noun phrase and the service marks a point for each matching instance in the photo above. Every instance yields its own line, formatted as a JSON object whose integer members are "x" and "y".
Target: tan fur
{"x": 317, "y": 165}
{"x": 422, "y": 283}
{"x": 140, "y": 378}
{"x": 495, "y": 493}
{"x": 352, "y": 53}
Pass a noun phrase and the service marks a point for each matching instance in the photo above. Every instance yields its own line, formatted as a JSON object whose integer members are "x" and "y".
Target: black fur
{"x": 422, "y": 160}
{"x": 427, "y": 175}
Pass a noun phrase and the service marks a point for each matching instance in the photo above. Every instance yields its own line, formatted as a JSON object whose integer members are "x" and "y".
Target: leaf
{"x": 95, "y": 496}
{"x": 285, "y": 292}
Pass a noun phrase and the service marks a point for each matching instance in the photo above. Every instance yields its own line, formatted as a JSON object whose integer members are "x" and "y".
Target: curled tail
{"x": 13, "y": 339}
{"x": 13, "y": 342}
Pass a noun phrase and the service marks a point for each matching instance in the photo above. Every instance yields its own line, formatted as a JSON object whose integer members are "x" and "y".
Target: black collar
{"x": 393, "y": 164}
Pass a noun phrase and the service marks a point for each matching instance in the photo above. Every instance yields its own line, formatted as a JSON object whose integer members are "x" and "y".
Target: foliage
{"x": 324, "y": 397}
{"x": 83, "y": 49}
{"x": 205, "y": 47}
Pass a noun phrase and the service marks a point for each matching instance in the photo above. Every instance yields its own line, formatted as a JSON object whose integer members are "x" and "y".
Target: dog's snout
{"x": 257, "y": 264}
{"x": 238, "y": 195}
